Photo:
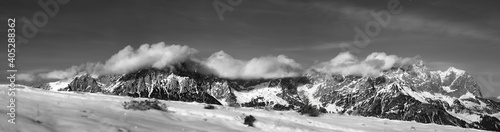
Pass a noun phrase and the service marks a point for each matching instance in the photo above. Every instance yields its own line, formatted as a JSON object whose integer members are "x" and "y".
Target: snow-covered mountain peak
{"x": 419, "y": 66}
{"x": 458, "y": 72}
{"x": 451, "y": 71}
{"x": 61, "y": 84}
{"x": 58, "y": 85}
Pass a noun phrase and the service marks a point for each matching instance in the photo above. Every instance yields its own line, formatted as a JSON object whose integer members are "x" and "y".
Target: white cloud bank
{"x": 25, "y": 77}
{"x": 226, "y": 66}
{"x": 127, "y": 60}
{"x": 155, "y": 55}
{"x": 347, "y": 64}
{"x": 91, "y": 68}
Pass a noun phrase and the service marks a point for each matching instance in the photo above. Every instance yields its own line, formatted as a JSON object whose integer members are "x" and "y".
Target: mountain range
{"x": 409, "y": 93}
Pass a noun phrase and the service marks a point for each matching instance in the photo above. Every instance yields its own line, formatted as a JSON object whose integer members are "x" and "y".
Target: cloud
{"x": 128, "y": 60}
{"x": 347, "y": 64}
{"x": 156, "y": 55}
{"x": 327, "y": 46}
{"x": 410, "y": 21}
{"x": 453, "y": 29}
{"x": 61, "y": 74}
{"x": 291, "y": 49}
{"x": 224, "y": 65}
{"x": 91, "y": 68}
{"x": 25, "y": 77}
{"x": 279, "y": 66}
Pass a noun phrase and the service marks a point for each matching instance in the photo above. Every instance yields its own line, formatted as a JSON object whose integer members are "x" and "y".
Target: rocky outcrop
{"x": 163, "y": 84}
{"x": 85, "y": 83}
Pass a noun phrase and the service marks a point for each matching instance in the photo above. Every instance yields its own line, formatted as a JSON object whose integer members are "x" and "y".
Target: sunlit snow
{"x": 50, "y": 111}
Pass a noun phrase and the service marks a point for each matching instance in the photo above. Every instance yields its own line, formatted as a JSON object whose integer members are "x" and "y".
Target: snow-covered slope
{"x": 268, "y": 95}
{"x": 58, "y": 85}
{"x": 49, "y": 111}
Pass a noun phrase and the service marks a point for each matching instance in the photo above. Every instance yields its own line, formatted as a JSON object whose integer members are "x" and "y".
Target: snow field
{"x": 50, "y": 111}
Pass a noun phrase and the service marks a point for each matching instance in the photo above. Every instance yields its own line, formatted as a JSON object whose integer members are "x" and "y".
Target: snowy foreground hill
{"x": 40, "y": 110}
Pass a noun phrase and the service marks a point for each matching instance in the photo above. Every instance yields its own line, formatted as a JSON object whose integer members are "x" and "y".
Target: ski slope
{"x": 52, "y": 111}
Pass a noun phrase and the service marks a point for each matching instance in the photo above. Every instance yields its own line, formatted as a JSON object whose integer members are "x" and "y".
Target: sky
{"x": 443, "y": 33}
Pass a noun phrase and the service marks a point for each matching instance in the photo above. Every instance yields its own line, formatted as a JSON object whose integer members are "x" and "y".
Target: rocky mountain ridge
{"x": 450, "y": 97}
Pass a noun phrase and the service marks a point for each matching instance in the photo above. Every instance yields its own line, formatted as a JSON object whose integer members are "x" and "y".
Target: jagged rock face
{"x": 406, "y": 93}
{"x": 84, "y": 83}
{"x": 452, "y": 82}
{"x": 398, "y": 106}
{"x": 164, "y": 84}
{"x": 44, "y": 86}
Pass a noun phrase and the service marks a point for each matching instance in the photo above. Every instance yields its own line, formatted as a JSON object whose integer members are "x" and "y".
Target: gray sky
{"x": 444, "y": 33}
